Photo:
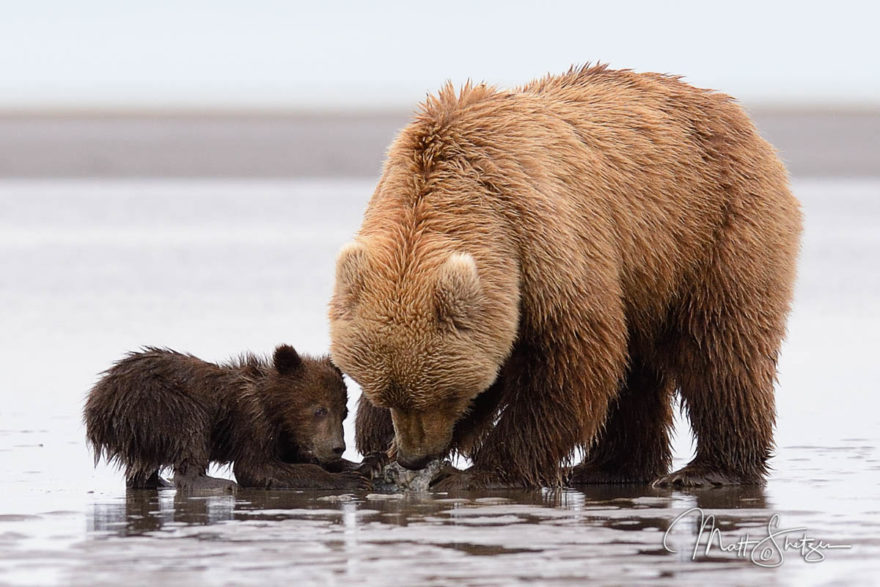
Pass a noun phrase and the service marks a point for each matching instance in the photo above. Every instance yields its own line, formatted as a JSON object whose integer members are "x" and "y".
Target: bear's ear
{"x": 286, "y": 359}
{"x": 458, "y": 291}
{"x": 350, "y": 265}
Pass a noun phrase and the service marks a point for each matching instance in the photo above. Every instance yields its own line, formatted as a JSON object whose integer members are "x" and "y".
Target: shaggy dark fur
{"x": 275, "y": 421}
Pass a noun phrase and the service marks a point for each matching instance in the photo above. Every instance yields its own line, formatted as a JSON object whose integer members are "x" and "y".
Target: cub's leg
{"x": 194, "y": 477}
{"x": 191, "y": 457}
{"x": 280, "y": 475}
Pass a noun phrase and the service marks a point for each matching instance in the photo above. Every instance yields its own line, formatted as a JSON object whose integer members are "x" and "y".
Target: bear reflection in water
{"x": 624, "y": 508}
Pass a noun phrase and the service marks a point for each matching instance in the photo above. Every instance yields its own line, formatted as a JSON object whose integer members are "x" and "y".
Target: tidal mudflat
{"x": 91, "y": 269}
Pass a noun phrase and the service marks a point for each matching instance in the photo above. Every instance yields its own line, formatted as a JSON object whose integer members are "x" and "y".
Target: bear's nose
{"x": 413, "y": 463}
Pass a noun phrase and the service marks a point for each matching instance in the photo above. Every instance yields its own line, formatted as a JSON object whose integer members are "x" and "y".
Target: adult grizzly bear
{"x": 539, "y": 270}
{"x": 276, "y": 421}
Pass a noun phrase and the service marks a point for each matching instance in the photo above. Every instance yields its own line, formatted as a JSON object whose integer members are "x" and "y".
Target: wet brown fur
{"x": 631, "y": 235}
{"x": 160, "y": 408}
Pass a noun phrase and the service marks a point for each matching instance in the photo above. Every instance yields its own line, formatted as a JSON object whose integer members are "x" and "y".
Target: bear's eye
{"x": 320, "y": 412}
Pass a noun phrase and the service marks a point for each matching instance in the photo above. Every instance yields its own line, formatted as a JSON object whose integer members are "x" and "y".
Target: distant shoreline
{"x": 274, "y": 144}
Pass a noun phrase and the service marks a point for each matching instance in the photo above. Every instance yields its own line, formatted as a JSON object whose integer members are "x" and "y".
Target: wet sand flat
{"x": 95, "y": 267}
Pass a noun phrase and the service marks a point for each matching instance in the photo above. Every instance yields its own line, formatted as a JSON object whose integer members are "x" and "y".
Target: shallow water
{"x": 93, "y": 269}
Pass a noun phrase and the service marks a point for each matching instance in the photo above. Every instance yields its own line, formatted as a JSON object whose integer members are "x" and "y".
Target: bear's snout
{"x": 413, "y": 463}
{"x": 329, "y": 453}
{"x": 421, "y": 436}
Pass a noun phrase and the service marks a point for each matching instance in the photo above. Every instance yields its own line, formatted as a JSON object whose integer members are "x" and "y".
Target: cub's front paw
{"x": 350, "y": 481}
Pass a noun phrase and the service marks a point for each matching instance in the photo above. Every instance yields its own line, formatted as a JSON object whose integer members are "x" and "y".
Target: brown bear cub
{"x": 278, "y": 422}
{"x": 541, "y": 269}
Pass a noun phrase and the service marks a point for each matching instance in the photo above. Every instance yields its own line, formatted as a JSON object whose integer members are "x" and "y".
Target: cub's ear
{"x": 350, "y": 266}
{"x": 286, "y": 359}
{"x": 459, "y": 293}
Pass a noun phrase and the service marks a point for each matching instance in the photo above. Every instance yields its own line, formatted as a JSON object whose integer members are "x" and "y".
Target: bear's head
{"x": 420, "y": 337}
{"x": 307, "y": 397}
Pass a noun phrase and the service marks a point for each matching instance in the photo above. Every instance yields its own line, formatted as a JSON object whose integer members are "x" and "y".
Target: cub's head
{"x": 309, "y": 399}
{"x": 421, "y": 337}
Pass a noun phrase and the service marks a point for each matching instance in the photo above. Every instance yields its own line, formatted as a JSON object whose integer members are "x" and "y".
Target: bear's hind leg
{"x": 729, "y": 330}
{"x": 732, "y": 416}
{"x": 725, "y": 377}
{"x": 633, "y": 446}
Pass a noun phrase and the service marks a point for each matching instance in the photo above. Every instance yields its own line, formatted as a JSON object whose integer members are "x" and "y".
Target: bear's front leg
{"x": 374, "y": 433}
{"x": 561, "y": 377}
{"x": 633, "y": 445}
{"x": 281, "y": 475}
{"x": 512, "y": 457}
{"x": 556, "y": 401}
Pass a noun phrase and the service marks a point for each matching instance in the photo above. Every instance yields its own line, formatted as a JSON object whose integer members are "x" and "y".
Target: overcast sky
{"x": 286, "y": 54}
